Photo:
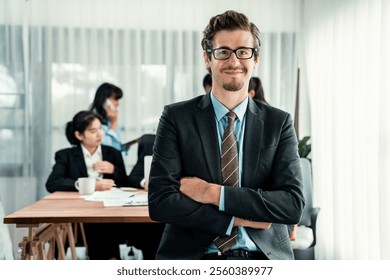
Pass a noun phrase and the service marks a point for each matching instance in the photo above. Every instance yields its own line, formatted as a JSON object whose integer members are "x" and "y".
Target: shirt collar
{"x": 220, "y": 110}
{"x": 86, "y": 152}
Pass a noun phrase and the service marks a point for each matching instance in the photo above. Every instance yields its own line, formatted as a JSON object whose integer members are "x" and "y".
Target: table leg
{"x": 33, "y": 245}
{"x": 68, "y": 230}
{"x": 60, "y": 244}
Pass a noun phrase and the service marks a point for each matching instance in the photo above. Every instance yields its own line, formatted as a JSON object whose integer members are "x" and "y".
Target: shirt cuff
{"x": 142, "y": 183}
{"x": 230, "y": 228}
{"x": 222, "y": 208}
{"x": 222, "y": 199}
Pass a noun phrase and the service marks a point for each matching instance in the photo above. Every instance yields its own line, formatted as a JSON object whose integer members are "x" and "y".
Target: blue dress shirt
{"x": 111, "y": 137}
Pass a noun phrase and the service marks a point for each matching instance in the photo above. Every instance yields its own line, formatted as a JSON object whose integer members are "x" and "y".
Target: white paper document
{"x": 117, "y": 197}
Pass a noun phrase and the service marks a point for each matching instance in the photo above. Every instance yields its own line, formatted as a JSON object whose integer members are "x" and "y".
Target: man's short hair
{"x": 232, "y": 21}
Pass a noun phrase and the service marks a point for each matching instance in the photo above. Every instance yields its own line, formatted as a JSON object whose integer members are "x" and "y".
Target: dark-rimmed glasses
{"x": 224, "y": 53}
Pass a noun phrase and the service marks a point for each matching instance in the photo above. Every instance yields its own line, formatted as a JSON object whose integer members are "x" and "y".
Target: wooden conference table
{"x": 49, "y": 222}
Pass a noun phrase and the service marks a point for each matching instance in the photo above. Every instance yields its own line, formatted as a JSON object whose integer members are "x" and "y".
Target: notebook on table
{"x": 118, "y": 197}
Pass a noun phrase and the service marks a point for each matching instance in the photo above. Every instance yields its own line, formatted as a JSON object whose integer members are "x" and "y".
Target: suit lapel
{"x": 205, "y": 120}
{"x": 253, "y": 137}
{"x": 79, "y": 159}
{"x": 106, "y": 154}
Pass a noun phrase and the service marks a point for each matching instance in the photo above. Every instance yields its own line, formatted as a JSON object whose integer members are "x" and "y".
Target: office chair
{"x": 306, "y": 236}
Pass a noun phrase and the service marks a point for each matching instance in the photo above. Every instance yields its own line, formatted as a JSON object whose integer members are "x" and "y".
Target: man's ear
{"x": 206, "y": 59}
{"x": 79, "y": 136}
{"x": 257, "y": 62}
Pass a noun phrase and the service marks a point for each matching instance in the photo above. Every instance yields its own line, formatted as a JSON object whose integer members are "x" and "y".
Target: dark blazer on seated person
{"x": 145, "y": 148}
{"x": 70, "y": 165}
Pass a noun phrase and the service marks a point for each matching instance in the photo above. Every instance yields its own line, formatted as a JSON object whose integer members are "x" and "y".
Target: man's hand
{"x": 208, "y": 193}
{"x": 251, "y": 224}
{"x": 200, "y": 190}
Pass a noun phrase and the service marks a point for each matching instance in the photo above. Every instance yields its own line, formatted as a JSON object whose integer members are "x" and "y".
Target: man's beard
{"x": 234, "y": 86}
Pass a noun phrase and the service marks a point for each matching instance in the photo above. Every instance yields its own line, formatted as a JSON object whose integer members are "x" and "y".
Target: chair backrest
{"x": 307, "y": 191}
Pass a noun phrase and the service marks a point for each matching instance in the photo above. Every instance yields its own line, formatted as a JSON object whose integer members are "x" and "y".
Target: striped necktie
{"x": 229, "y": 168}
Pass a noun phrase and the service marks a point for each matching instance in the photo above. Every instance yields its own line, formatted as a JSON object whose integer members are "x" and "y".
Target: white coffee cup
{"x": 147, "y": 164}
{"x": 85, "y": 185}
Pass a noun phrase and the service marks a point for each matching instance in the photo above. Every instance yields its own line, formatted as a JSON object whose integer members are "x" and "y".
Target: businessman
{"x": 225, "y": 175}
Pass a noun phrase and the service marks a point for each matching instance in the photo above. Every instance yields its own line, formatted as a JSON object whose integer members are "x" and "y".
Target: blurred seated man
{"x": 207, "y": 83}
{"x": 136, "y": 179}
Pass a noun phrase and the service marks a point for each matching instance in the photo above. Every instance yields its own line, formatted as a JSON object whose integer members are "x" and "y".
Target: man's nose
{"x": 233, "y": 59}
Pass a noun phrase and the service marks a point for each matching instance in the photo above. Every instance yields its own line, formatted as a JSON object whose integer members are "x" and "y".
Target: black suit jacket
{"x": 145, "y": 148}
{"x": 271, "y": 191}
{"x": 70, "y": 165}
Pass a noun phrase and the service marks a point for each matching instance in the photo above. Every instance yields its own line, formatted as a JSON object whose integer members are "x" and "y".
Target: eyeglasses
{"x": 241, "y": 53}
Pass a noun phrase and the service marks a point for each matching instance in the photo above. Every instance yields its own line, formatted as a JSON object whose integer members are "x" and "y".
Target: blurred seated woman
{"x": 106, "y": 105}
{"x": 89, "y": 158}
{"x": 256, "y": 91}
